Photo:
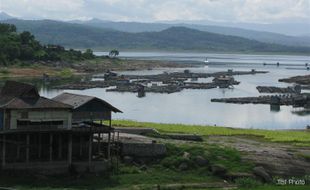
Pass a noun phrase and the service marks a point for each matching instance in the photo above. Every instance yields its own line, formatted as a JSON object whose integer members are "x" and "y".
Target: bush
{"x": 4, "y": 71}
{"x": 247, "y": 182}
{"x": 65, "y": 73}
{"x": 129, "y": 170}
{"x": 175, "y": 156}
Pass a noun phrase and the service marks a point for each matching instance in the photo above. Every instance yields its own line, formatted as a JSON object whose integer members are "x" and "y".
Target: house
{"x": 21, "y": 107}
{"x": 87, "y": 108}
{"x": 38, "y": 134}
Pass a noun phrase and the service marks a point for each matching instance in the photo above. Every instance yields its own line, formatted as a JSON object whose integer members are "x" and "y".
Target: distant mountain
{"x": 133, "y": 27}
{"x": 5, "y": 16}
{"x": 173, "y": 38}
{"x": 261, "y": 36}
{"x": 294, "y": 27}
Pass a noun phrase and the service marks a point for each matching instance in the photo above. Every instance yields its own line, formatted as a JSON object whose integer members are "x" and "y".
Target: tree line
{"x": 24, "y": 47}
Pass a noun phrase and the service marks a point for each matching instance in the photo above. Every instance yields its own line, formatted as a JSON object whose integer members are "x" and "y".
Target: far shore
{"x": 97, "y": 65}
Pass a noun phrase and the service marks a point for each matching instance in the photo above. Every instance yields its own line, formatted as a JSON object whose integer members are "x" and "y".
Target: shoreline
{"x": 88, "y": 67}
{"x": 200, "y": 51}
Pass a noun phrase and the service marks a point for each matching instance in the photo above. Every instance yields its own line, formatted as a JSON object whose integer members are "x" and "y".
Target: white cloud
{"x": 159, "y": 10}
{"x": 53, "y": 9}
{"x": 268, "y": 11}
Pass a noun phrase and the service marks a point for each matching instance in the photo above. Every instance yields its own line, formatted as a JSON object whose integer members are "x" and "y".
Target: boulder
{"x": 201, "y": 161}
{"x": 183, "y": 166}
{"x": 186, "y": 155}
{"x": 262, "y": 174}
{"x": 218, "y": 170}
{"x": 236, "y": 175}
{"x": 143, "y": 168}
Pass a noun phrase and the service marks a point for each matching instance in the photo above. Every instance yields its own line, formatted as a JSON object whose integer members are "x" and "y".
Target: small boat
{"x": 206, "y": 61}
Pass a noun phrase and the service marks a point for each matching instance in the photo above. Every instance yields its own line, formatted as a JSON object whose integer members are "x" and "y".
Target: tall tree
{"x": 114, "y": 53}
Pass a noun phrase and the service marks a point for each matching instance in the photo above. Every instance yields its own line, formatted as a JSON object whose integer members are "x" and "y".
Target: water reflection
{"x": 195, "y": 107}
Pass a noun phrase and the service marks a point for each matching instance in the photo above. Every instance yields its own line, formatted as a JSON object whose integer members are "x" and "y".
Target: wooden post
{"x": 17, "y": 147}
{"x": 40, "y": 146}
{"x": 51, "y": 147}
{"x": 109, "y": 138}
{"x": 90, "y": 145}
{"x": 3, "y": 150}
{"x": 70, "y": 149}
{"x": 59, "y": 146}
{"x": 109, "y": 145}
{"x": 27, "y": 147}
{"x": 81, "y": 146}
{"x": 99, "y": 143}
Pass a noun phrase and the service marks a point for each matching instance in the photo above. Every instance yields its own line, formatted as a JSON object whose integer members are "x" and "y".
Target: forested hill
{"x": 16, "y": 47}
{"x": 173, "y": 39}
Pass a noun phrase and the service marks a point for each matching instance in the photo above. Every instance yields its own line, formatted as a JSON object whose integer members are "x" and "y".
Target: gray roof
{"x": 17, "y": 89}
{"x": 38, "y": 103}
{"x": 77, "y": 100}
{"x": 17, "y": 95}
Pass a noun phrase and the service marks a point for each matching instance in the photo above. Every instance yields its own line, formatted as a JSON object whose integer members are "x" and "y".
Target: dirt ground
{"x": 279, "y": 159}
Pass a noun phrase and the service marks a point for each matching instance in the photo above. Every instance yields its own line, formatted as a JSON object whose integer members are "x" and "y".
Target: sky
{"x": 247, "y": 11}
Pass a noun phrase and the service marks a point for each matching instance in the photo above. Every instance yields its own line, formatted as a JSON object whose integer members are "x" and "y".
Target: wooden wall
{"x": 41, "y": 115}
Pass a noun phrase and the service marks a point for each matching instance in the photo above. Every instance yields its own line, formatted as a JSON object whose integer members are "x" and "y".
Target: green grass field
{"x": 296, "y": 137}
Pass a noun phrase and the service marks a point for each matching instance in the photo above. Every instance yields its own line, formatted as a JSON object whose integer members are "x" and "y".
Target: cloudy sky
{"x": 255, "y": 11}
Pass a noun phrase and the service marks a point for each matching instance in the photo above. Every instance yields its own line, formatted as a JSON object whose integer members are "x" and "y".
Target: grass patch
{"x": 275, "y": 187}
{"x": 228, "y": 157}
{"x": 161, "y": 172}
{"x": 65, "y": 73}
{"x": 125, "y": 180}
{"x": 247, "y": 183}
{"x": 295, "y": 137}
{"x": 305, "y": 156}
{"x": 4, "y": 71}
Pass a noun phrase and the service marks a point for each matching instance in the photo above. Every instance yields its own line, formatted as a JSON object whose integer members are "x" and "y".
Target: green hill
{"x": 261, "y": 36}
{"x": 16, "y": 47}
{"x": 175, "y": 39}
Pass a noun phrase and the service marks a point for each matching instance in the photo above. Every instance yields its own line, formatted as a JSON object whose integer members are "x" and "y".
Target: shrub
{"x": 4, "y": 71}
{"x": 65, "y": 73}
{"x": 247, "y": 182}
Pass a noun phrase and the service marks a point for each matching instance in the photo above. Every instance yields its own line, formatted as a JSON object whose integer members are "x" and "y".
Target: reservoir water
{"x": 195, "y": 107}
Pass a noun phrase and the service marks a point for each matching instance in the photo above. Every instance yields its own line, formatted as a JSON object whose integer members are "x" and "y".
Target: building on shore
{"x": 53, "y": 135}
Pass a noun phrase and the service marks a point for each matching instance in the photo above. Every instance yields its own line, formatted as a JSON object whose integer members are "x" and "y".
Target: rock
{"x": 201, "y": 161}
{"x": 186, "y": 155}
{"x": 236, "y": 175}
{"x": 183, "y": 166}
{"x": 218, "y": 170}
{"x": 143, "y": 168}
{"x": 261, "y": 173}
{"x": 127, "y": 159}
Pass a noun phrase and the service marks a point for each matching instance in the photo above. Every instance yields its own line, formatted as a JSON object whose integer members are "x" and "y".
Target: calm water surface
{"x": 195, "y": 107}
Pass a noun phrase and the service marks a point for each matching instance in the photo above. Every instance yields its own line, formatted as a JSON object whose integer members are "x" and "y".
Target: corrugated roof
{"x": 17, "y": 89}
{"x": 77, "y": 100}
{"x": 40, "y": 103}
{"x": 15, "y": 95}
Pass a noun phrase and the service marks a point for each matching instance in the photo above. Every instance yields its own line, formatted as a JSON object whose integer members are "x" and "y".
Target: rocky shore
{"x": 302, "y": 80}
